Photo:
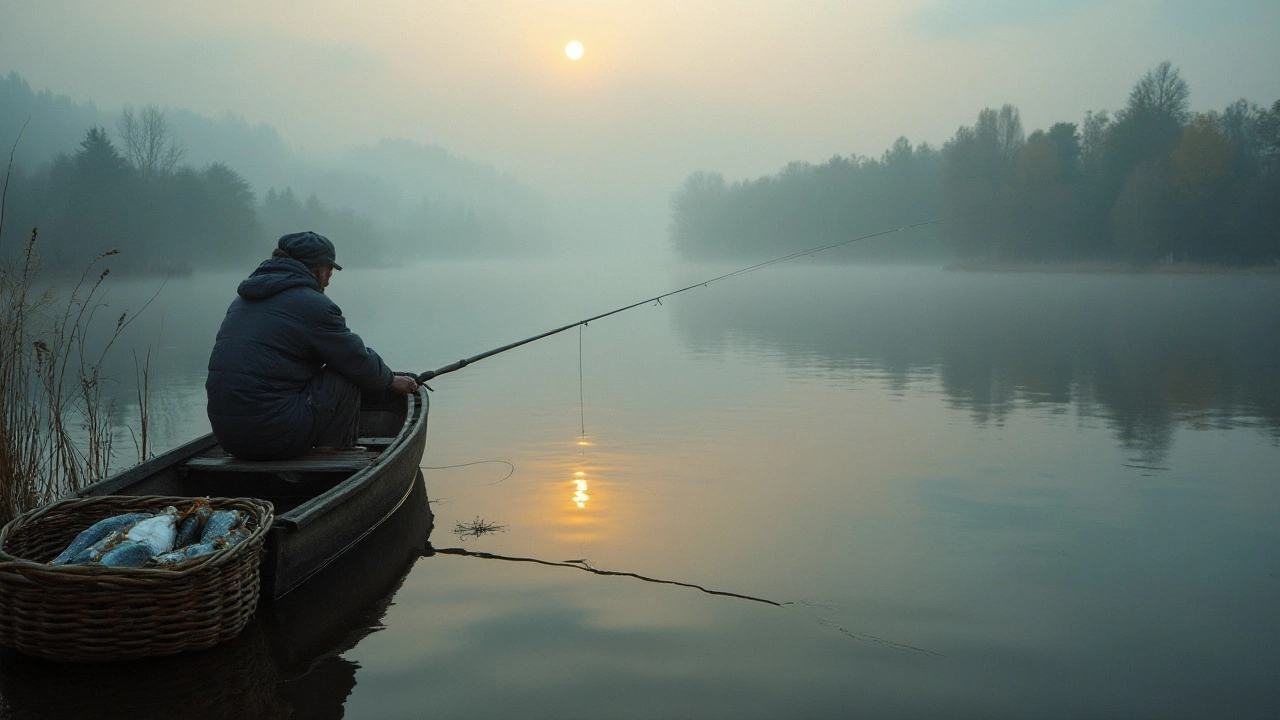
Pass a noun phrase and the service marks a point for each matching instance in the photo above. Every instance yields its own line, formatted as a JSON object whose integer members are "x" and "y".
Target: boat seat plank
{"x": 218, "y": 460}
{"x": 375, "y": 440}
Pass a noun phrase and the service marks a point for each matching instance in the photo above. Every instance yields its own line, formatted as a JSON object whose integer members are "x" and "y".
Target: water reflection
{"x": 287, "y": 663}
{"x": 1040, "y": 571}
{"x": 1144, "y": 354}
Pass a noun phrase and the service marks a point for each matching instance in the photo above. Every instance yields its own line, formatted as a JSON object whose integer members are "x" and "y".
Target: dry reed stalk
{"x": 142, "y": 379}
{"x": 55, "y": 425}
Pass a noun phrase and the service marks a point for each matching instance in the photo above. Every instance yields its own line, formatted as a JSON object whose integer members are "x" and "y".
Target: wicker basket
{"x": 86, "y": 613}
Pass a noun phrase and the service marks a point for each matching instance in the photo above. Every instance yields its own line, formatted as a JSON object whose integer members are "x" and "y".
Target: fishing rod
{"x": 429, "y": 374}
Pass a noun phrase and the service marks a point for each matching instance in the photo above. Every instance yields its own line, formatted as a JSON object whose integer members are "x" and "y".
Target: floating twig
{"x": 476, "y": 528}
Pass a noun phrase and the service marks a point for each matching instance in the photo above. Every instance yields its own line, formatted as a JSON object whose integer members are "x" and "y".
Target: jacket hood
{"x": 275, "y": 275}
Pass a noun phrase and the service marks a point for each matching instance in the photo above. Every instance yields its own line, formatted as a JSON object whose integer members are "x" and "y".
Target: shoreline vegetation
{"x": 55, "y": 404}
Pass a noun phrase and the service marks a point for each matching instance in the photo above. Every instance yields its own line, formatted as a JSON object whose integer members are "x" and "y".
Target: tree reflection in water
{"x": 1143, "y": 353}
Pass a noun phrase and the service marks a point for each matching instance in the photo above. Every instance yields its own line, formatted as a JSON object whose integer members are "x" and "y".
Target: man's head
{"x": 313, "y": 250}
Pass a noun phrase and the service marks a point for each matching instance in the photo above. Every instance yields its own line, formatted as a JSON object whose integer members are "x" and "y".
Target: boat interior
{"x": 203, "y": 468}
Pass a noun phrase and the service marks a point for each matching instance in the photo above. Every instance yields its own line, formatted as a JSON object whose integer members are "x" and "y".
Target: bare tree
{"x": 148, "y": 141}
{"x": 1009, "y": 135}
{"x": 1161, "y": 92}
{"x": 1093, "y": 140}
{"x": 1000, "y": 135}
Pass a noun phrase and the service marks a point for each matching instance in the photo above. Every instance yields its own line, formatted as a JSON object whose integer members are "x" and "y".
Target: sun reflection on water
{"x": 580, "y": 494}
{"x": 576, "y": 491}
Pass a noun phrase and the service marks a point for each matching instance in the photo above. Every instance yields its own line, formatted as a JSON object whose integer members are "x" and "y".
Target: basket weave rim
{"x": 264, "y": 513}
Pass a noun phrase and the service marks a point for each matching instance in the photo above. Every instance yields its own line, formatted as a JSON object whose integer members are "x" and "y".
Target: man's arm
{"x": 344, "y": 351}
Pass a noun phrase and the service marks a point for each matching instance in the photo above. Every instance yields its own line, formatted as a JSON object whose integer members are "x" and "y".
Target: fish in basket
{"x": 118, "y": 577}
{"x": 164, "y": 539}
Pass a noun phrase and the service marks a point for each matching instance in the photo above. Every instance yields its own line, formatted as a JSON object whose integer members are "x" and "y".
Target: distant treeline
{"x": 1152, "y": 183}
{"x": 164, "y": 217}
{"x": 130, "y": 187}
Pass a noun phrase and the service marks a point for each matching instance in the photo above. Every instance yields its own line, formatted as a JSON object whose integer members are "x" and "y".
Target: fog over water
{"x": 1018, "y": 462}
{"x": 1011, "y": 495}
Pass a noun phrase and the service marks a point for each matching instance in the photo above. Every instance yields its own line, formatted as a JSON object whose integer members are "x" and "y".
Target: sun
{"x": 573, "y": 50}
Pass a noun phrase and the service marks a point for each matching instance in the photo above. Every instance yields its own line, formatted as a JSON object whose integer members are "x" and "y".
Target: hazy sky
{"x": 663, "y": 89}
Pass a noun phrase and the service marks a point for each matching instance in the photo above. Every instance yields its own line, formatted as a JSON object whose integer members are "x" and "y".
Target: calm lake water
{"x": 968, "y": 494}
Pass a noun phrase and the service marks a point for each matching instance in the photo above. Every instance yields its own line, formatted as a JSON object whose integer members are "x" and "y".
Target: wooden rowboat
{"x": 325, "y": 501}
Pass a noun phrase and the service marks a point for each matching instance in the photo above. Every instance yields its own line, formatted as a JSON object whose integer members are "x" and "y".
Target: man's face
{"x": 323, "y": 274}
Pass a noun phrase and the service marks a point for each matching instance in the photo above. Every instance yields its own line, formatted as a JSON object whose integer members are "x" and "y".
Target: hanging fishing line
{"x": 429, "y": 374}
{"x": 582, "y": 403}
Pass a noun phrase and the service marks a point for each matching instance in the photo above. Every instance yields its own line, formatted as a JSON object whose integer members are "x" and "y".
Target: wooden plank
{"x": 375, "y": 440}
{"x": 217, "y": 459}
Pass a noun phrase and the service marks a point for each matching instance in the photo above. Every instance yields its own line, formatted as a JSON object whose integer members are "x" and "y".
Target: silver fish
{"x": 181, "y": 555}
{"x": 187, "y": 553}
{"x": 95, "y": 551}
{"x": 221, "y": 523}
{"x": 237, "y": 536}
{"x": 96, "y": 532}
{"x": 131, "y": 553}
{"x": 159, "y": 532}
{"x": 192, "y": 522}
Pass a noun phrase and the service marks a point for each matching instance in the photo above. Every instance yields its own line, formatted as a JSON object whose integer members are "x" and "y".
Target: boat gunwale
{"x": 356, "y": 541}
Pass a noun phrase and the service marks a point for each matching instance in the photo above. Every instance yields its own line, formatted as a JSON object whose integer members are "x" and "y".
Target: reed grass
{"x": 55, "y": 422}
{"x": 142, "y": 376}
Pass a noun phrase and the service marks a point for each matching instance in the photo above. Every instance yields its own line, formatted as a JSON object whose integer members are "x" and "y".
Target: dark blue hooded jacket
{"x": 277, "y": 335}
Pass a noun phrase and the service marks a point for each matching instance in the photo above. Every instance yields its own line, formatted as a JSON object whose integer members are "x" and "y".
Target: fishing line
{"x": 429, "y": 374}
{"x": 863, "y": 637}
{"x": 511, "y": 468}
{"x": 582, "y": 403}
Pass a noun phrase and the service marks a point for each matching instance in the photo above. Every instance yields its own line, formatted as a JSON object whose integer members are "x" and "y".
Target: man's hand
{"x": 404, "y": 384}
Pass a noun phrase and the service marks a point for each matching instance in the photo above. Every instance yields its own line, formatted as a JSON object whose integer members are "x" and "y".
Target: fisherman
{"x": 286, "y": 372}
